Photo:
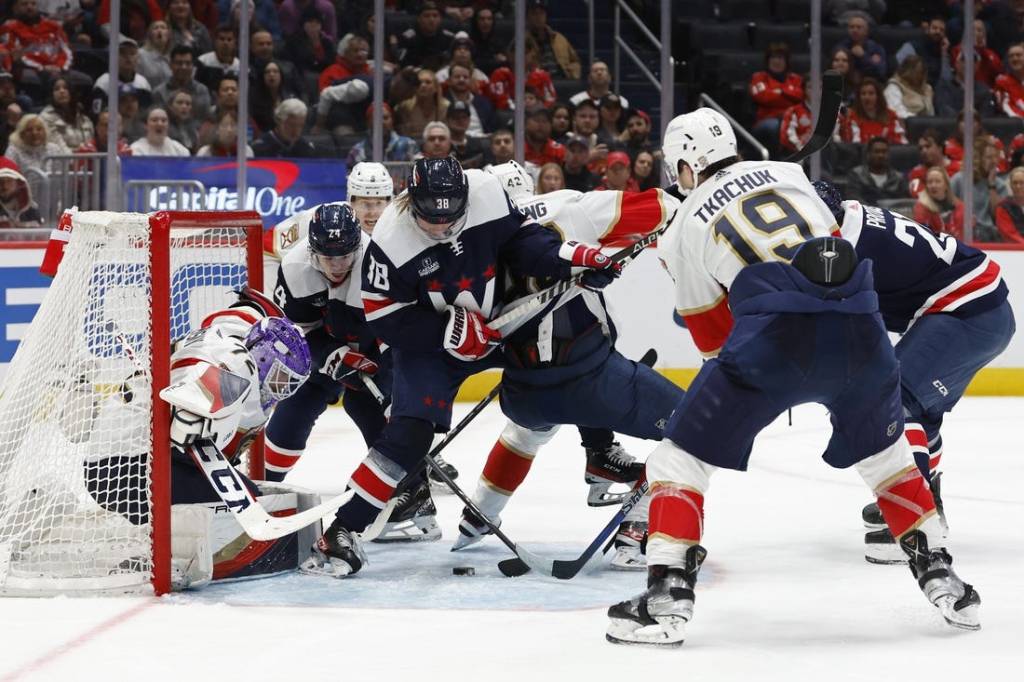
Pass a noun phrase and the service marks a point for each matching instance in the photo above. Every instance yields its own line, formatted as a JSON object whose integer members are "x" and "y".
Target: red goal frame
{"x": 161, "y": 225}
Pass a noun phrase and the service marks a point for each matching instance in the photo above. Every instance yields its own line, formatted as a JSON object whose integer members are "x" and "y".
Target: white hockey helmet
{"x": 514, "y": 178}
{"x": 699, "y": 138}
{"x": 369, "y": 179}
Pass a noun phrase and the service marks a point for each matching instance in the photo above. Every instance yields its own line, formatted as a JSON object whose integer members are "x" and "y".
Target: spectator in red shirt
{"x": 797, "y": 125}
{"x": 774, "y": 90}
{"x": 929, "y": 145}
{"x": 954, "y": 147}
{"x": 41, "y": 48}
{"x": 540, "y": 148}
{"x": 1010, "y": 211}
{"x": 987, "y": 64}
{"x": 619, "y": 175}
{"x": 937, "y": 207}
{"x": 869, "y": 117}
{"x": 353, "y": 60}
{"x": 1009, "y": 87}
{"x": 503, "y": 82}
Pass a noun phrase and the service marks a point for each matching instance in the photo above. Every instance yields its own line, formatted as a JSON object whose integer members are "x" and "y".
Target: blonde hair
{"x": 926, "y": 199}
{"x": 549, "y": 167}
{"x": 23, "y": 123}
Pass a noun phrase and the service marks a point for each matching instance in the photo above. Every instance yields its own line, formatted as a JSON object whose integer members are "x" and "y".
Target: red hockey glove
{"x": 601, "y": 270}
{"x": 344, "y": 364}
{"x": 466, "y": 334}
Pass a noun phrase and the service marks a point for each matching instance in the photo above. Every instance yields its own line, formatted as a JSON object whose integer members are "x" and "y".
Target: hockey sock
{"x": 918, "y": 441}
{"x": 934, "y": 456}
{"x": 903, "y": 495}
{"x": 402, "y": 444}
{"x": 595, "y": 439}
{"x": 677, "y": 503}
{"x": 279, "y": 461}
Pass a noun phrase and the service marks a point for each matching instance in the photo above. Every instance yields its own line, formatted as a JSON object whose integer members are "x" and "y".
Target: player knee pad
{"x": 678, "y": 484}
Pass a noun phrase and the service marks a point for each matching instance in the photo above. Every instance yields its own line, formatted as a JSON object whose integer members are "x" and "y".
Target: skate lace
{"x": 618, "y": 455}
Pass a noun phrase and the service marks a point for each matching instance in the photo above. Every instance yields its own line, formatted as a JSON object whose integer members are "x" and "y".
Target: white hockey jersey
{"x": 214, "y": 389}
{"x": 750, "y": 212}
{"x": 283, "y": 237}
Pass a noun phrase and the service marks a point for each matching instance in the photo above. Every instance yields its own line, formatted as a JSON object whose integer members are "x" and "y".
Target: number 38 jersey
{"x": 918, "y": 272}
{"x": 750, "y": 212}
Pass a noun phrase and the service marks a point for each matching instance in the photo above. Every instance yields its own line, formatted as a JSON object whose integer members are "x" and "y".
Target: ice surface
{"x": 785, "y": 593}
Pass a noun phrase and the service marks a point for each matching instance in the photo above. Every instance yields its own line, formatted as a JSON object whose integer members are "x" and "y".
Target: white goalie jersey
{"x": 214, "y": 389}
{"x": 750, "y": 212}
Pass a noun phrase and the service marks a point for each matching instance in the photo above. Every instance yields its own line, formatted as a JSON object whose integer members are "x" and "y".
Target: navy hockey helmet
{"x": 439, "y": 194}
{"x": 334, "y": 230}
{"x": 829, "y": 194}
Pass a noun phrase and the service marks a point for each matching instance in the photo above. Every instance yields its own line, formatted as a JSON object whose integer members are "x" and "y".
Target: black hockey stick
{"x": 828, "y": 112}
{"x": 525, "y": 561}
{"x": 566, "y": 569}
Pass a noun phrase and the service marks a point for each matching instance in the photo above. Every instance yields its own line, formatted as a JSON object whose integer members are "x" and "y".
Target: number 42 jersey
{"x": 750, "y": 212}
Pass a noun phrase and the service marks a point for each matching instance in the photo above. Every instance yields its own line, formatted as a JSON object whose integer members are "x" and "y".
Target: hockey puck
{"x": 463, "y": 570}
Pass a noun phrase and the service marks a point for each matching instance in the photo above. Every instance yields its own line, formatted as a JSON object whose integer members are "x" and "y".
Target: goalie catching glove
{"x": 344, "y": 365}
{"x": 466, "y": 334}
{"x": 601, "y": 270}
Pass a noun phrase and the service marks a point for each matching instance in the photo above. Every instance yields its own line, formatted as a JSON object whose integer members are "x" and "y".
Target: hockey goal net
{"x": 84, "y": 444}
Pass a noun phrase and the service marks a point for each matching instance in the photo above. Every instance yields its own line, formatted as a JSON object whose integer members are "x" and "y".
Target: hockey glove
{"x": 466, "y": 334}
{"x": 344, "y": 366}
{"x": 601, "y": 271}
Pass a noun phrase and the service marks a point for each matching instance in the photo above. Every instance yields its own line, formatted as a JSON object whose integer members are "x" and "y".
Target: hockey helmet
{"x": 829, "y": 194}
{"x": 333, "y": 230}
{"x": 517, "y": 182}
{"x": 369, "y": 179}
{"x": 439, "y": 195}
{"x": 699, "y": 138}
{"x": 282, "y": 358}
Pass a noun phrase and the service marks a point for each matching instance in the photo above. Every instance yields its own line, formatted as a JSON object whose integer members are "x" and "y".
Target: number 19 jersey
{"x": 750, "y": 212}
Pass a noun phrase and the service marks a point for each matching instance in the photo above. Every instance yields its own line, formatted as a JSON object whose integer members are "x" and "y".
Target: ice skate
{"x": 338, "y": 553}
{"x": 880, "y": 548}
{"x": 606, "y": 467}
{"x": 471, "y": 530}
{"x": 414, "y": 518}
{"x": 658, "y": 616}
{"x": 630, "y": 544}
{"x": 958, "y": 601}
{"x": 435, "y": 480}
{"x": 872, "y": 516}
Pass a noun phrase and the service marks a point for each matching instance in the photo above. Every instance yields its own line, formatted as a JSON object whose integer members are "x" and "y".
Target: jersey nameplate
{"x": 731, "y": 189}
{"x": 535, "y": 211}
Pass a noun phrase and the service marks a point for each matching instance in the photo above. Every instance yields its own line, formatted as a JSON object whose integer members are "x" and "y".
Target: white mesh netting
{"x": 75, "y": 432}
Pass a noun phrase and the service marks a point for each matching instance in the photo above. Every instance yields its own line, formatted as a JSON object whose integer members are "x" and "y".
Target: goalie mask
{"x": 282, "y": 358}
{"x": 439, "y": 196}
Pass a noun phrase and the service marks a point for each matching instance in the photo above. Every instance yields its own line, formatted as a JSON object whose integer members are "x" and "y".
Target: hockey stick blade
{"x": 566, "y": 569}
{"x": 250, "y": 514}
{"x": 828, "y": 112}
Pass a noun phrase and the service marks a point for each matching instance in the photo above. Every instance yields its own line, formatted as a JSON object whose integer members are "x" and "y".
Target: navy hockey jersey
{"x": 408, "y": 278}
{"x": 330, "y": 316}
{"x": 918, "y": 272}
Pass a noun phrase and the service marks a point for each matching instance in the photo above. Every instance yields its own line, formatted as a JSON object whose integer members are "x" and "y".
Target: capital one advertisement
{"x": 277, "y": 188}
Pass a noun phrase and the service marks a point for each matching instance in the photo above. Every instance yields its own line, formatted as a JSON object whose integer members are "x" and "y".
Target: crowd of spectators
{"x": 449, "y": 87}
{"x": 923, "y": 78}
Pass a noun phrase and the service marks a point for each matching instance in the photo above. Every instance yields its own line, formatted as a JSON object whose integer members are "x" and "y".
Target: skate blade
{"x": 464, "y": 541}
{"x": 874, "y": 526}
{"x": 967, "y": 618}
{"x": 601, "y": 495}
{"x": 410, "y": 531}
{"x": 327, "y": 568}
{"x": 662, "y": 635}
{"x": 885, "y": 553}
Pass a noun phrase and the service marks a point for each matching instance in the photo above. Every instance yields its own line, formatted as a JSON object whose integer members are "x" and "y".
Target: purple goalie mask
{"x": 281, "y": 356}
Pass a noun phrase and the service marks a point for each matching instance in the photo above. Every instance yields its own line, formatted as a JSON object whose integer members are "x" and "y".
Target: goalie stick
{"x": 828, "y": 112}
{"x": 251, "y": 516}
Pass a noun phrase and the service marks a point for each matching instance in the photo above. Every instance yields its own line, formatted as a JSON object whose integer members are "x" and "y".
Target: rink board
{"x": 641, "y": 303}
